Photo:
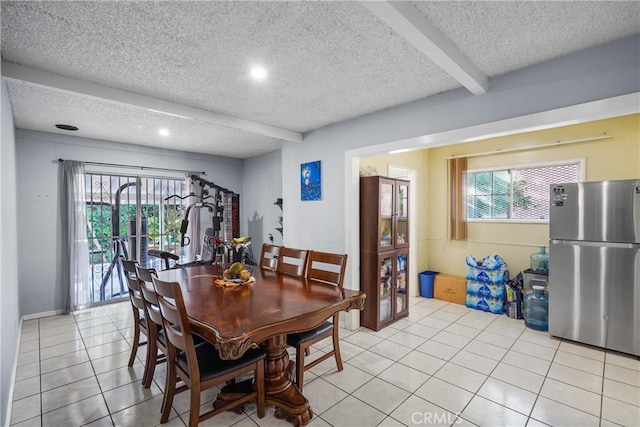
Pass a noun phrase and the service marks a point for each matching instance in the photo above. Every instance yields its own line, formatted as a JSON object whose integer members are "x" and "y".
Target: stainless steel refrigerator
{"x": 594, "y": 264}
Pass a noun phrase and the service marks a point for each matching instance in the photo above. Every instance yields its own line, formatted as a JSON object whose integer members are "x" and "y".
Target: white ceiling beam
{"x": 57, "y": 82}
{"x": 409, "y": 23}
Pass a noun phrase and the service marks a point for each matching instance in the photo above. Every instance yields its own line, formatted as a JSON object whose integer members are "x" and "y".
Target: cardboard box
{"x": 448, "y": 287}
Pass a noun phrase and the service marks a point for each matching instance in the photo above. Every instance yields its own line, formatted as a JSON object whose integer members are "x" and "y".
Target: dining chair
{"x": 327, "y": 268}
{"x": 292, "y": 261}
{"x": 269, "y": 256}
{"x": 200, "y": 367}
{"x": 156, "y": 337}
{"x": 140, "y": 322}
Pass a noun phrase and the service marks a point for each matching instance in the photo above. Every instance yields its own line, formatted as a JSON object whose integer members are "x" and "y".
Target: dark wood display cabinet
{"x": 384, "y": 250}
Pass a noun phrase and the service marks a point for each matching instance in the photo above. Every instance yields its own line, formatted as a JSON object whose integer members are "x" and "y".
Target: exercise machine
{"x": 118, "y": 242}
{"x": 211, "y": 198}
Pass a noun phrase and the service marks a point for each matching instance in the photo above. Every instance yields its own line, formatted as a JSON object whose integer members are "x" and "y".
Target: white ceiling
{"x": 117, "y": 70}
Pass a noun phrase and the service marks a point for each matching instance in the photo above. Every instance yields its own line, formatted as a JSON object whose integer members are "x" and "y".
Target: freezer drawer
{"x": 594, "y": 294}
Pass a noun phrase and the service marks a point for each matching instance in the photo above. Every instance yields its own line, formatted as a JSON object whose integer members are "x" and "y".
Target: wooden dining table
{"x": 261, "y": 314}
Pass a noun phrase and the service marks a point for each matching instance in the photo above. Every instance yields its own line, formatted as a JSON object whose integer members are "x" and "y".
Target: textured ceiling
{"x": 503, "y": 36}
{"x": 327, "y": 61}
{"x": 39, "y": 108}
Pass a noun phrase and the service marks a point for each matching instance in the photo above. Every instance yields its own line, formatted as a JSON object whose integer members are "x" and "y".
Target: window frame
{"x": 580, "y": 161}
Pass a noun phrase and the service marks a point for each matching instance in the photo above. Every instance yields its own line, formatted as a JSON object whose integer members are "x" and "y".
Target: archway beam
{"x": 409, "y": 23}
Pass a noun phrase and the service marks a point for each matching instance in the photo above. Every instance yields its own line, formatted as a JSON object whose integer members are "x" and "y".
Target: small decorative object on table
{"x": 236, "y": 274}
{"x": 219, "y": 246}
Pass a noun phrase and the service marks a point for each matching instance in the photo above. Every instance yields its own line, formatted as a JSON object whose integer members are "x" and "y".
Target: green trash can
{"x": 426, "y": 283}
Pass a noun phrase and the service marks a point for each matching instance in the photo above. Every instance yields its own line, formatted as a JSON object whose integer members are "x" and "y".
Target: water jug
{"x": 540, "y": 261}
{"x": 536, "y": 313}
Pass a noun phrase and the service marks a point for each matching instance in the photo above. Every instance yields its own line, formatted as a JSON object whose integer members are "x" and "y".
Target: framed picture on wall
{"x": 311, "y": 181}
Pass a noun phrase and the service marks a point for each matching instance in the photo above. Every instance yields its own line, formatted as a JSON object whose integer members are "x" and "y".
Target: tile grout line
{"x": 448, "y": 360}
{"x": 63, "y": 385}
{"x": 368, "y": 381}
{"x": 542, "y": 385}
{"x": 521, "y": 337}
{"x": 95, "y": 374}
{"x": 458, "y": 416}
{"x": 556, "y": 350}
{"x": 489, "y": 375}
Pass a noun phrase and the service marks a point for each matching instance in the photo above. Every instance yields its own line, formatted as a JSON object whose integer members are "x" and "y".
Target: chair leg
{"x": 150, "y": 362}
{"x": 169, "y": 391}
{"x": 300, "y": 351}
{"x": 336, "y": 348}
{"x": 259, "y": 380}
{"x": 336, "y": 343}
{"x": 136, "y": 342}
{"x": 194, "y": 415}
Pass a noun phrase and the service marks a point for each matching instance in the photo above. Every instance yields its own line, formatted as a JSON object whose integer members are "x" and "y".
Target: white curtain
{"x": 74, "y": 265}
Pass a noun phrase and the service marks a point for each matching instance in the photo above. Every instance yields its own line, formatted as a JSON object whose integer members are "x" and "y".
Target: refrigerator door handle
{"x": 595, "y": 244}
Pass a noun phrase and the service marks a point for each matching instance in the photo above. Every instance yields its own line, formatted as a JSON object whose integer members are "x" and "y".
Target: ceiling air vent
{"x": 67, "y": 127}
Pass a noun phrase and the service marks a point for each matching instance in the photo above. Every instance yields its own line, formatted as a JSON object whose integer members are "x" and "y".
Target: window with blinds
{"x": 518, "y": 194}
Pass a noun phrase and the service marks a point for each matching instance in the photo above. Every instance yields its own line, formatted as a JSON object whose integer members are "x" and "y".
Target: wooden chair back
{"x": 269, "y": 256}
{"x": 327, "y": 267}
{"x": 149, "y": 293}
{"x": 175, "y": 320}
{"x": 292, "y": 261}
{"x": 133, "y": 283}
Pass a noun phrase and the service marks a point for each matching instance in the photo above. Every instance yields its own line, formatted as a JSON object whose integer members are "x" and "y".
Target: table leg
{"x": 280, "y": 389}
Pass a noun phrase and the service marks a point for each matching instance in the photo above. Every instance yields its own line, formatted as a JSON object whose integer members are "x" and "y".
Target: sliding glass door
{"x": 127, "y": 216}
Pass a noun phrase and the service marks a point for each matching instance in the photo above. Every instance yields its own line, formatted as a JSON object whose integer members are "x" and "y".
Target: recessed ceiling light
{"x": 67, "y": 127}
{"x": 258, "y": 73}
{"x": 163, "y": 132}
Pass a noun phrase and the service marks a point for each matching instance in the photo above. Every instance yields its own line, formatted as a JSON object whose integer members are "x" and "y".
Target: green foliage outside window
{"x": 518, "y": 193}
{"x": 100, "y": 230}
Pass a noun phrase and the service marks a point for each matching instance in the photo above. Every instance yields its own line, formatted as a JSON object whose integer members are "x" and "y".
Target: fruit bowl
{"x": 236, "y": 274}
{"x": 234, "y": 282}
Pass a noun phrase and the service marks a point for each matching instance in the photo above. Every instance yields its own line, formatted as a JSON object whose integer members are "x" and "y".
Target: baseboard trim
{"x": 43, "y": 314}
{"x": 14, "y": 372}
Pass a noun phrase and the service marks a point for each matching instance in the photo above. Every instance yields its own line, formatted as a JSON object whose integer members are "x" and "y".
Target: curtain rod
{"x": 141, "y": 167}
{"x": 534, "y": 147}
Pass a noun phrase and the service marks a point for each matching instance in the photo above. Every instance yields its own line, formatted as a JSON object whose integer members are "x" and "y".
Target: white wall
{"x": 599, "y": 73}
{"x": 9, "y": 314}
{"x": 40, "y": 287}
{"x": 261, "y": 186}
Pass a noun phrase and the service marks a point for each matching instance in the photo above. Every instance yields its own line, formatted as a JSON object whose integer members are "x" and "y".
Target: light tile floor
{"x": 443, "y": 365}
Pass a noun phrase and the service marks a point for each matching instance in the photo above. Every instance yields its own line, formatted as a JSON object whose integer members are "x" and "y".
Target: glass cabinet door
{"x": 402, "y": 271}
{"x": 385, "y": 284}
{"x": 402, "y": 214}
{"x": 386, "y": 215}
